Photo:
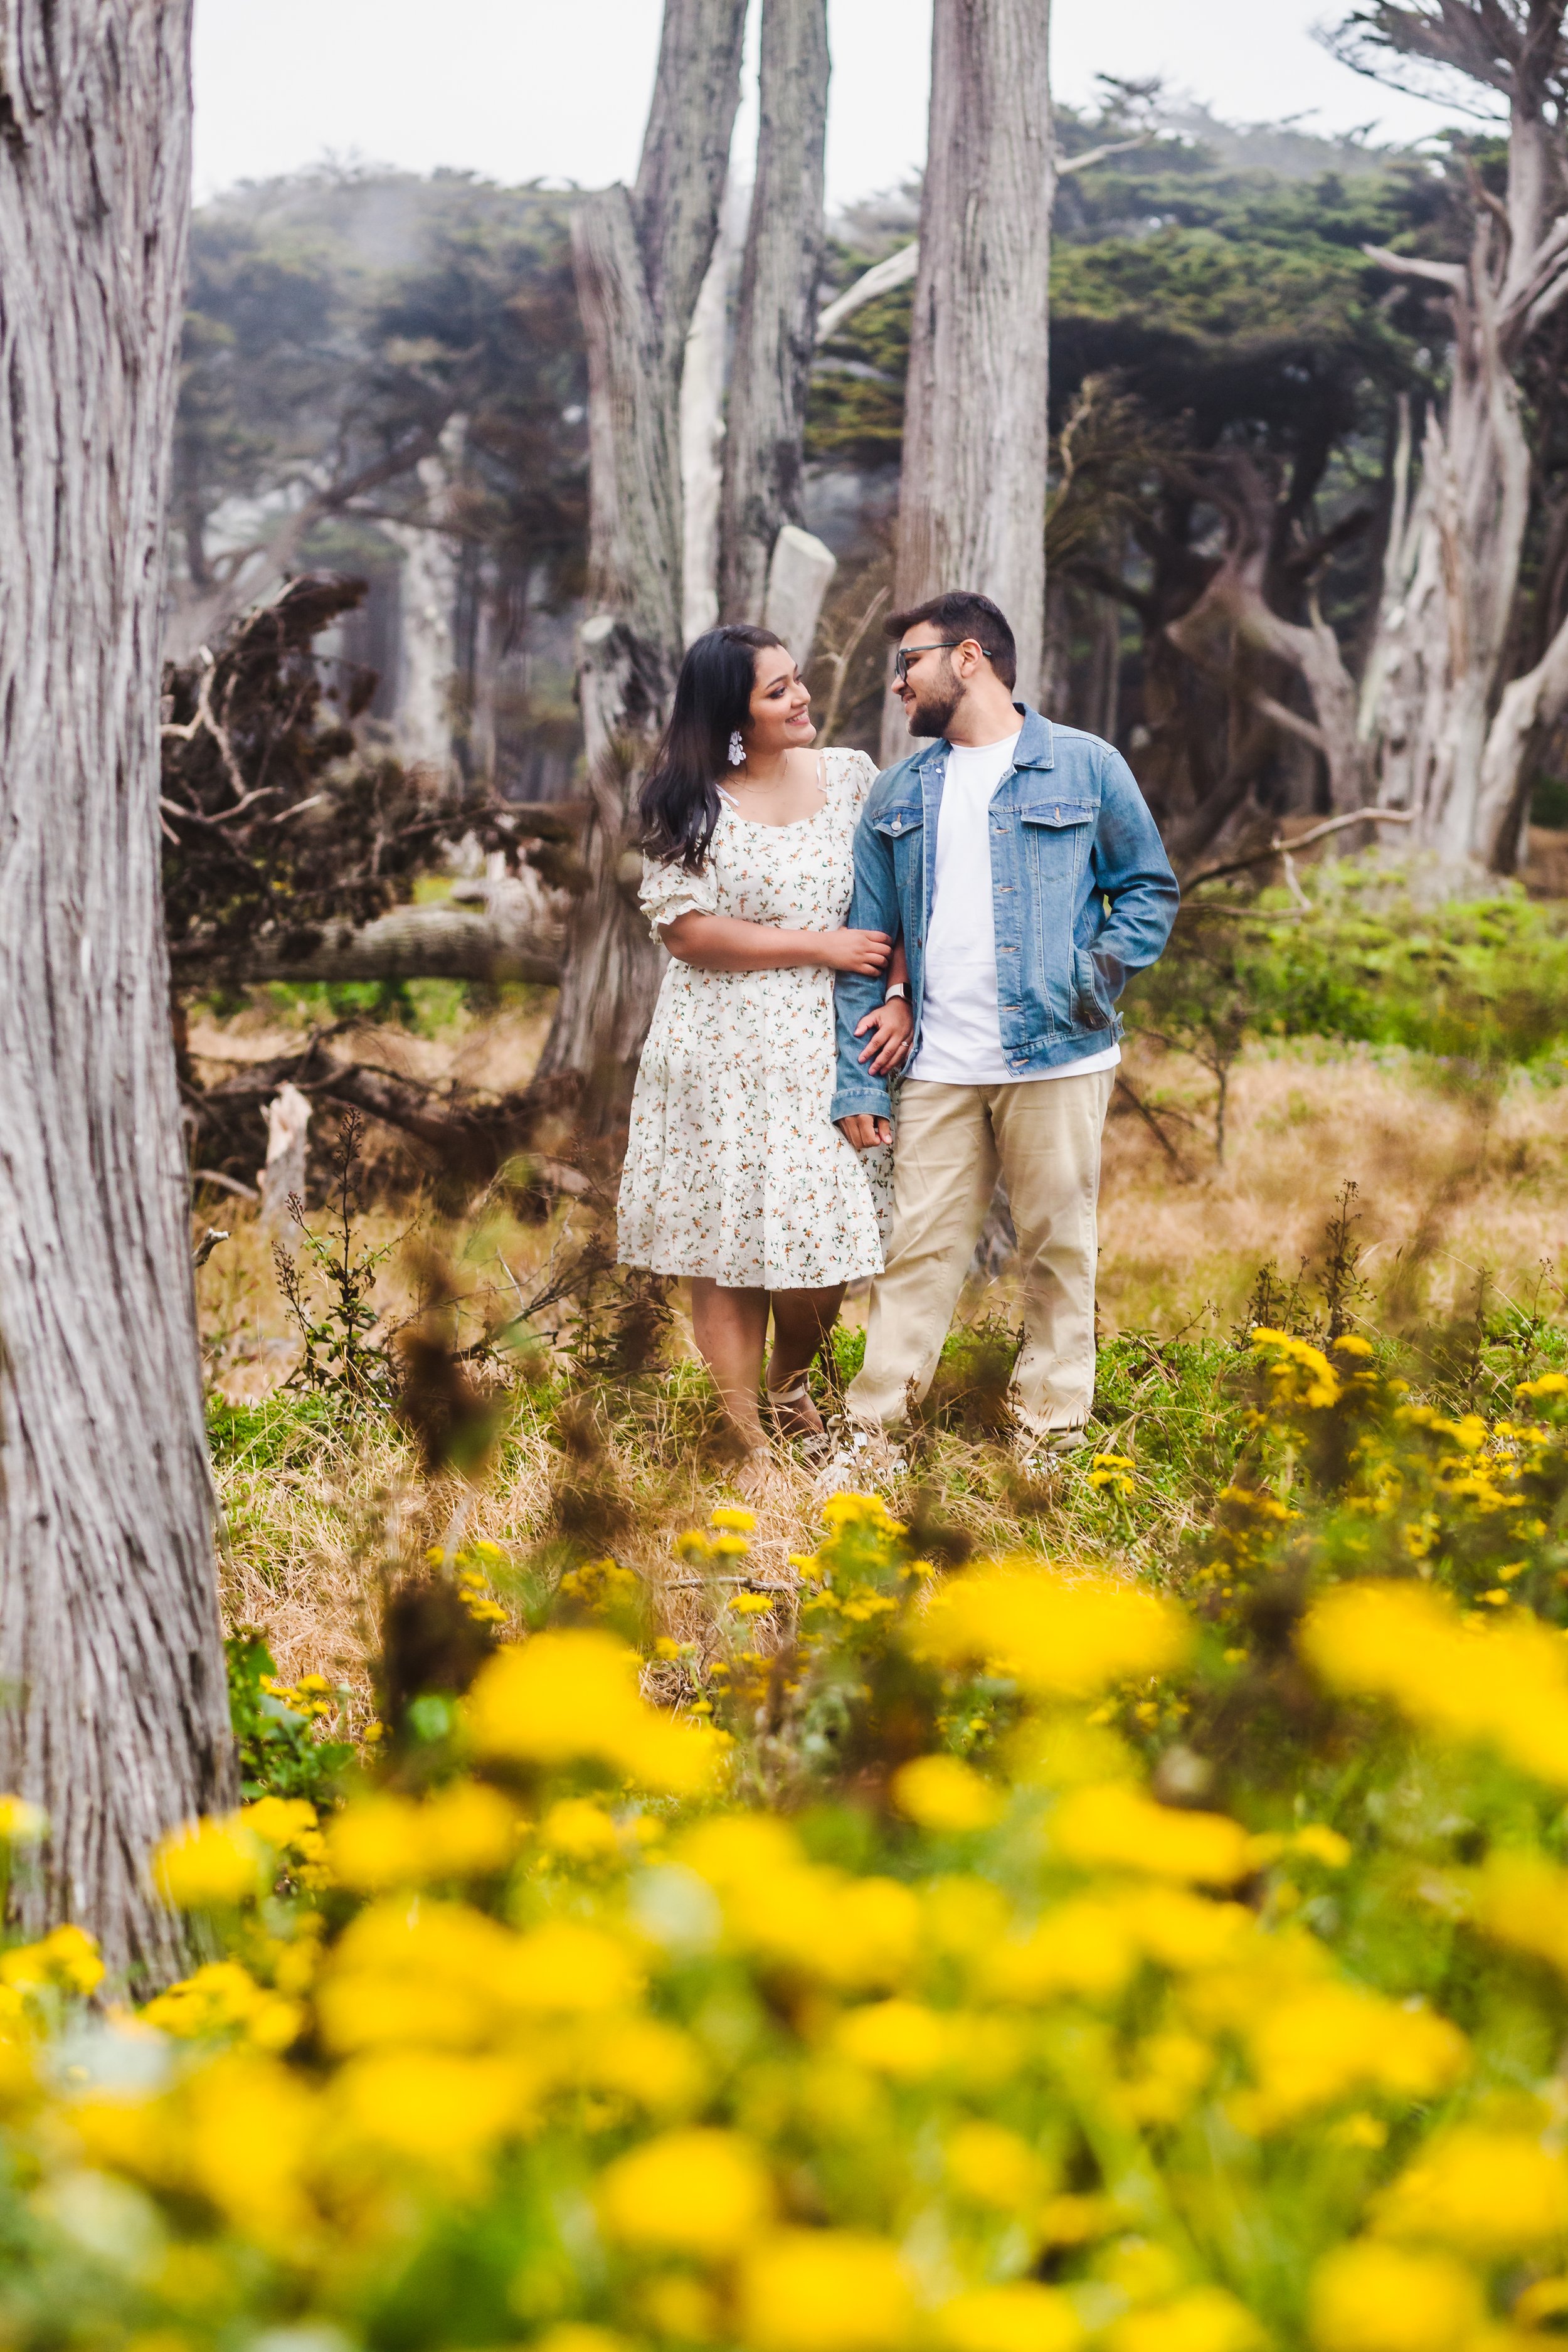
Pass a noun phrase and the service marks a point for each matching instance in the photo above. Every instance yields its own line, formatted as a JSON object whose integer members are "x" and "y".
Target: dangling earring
{"x": 737, "y": 750}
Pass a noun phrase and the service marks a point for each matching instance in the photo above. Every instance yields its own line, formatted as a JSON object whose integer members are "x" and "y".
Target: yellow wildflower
{"x": 1312, "y": 2047}
{"x": 1505, "y": 1684}
{"x": 66, "y": 1959}
{"x": 1113, "y": 1826}
{"x": 992, "y": 2166}
{"x": 1298, "y": 1372}
{"x": 1485, "y": 2192}
{"x": 704, "y": 2193}
{"x": 568, "y": 1697}
{"x": 1206, "y": 2320}
{"x": 897, "y": 2038}
{"x": 222, "y": 1998}
{"x": 733, "y": 1522}
{"x": 1019, "y": 2317}
{"x": 20, "y": 1823}
{"x": 825, "y": 2291}
{"x": 1376, "y": 2298}
{"x": 430, "y": 2108}
{"x": 1052, "y": 1635}
{"x": 580, "y": 1831}
{"x": 212, "y": 1864}
{"x": 941, "y": 1794}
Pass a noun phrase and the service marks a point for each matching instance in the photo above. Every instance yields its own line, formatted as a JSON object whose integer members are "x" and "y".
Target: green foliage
{"x": 276, "y": 1728}
{"x": 1482, "y": 981}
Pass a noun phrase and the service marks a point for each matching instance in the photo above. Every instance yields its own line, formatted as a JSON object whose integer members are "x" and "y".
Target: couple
{"x": 969, "y": 916}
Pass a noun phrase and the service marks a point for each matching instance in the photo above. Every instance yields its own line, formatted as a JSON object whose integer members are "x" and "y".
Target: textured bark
{"x": 1448, "y": 735}
{"x": 972, "y": 508}
{"x": 115, "y": 1718}
{"x": 775, "y": 334}
{"x": 640, "y": 257}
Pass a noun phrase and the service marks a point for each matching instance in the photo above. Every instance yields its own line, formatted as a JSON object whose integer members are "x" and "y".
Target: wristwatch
{"x": 898, "y": 990}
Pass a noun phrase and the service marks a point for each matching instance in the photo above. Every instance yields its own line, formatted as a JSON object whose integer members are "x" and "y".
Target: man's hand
{"x": 891, "y": 1027}
{"x": 865, "y": 1132}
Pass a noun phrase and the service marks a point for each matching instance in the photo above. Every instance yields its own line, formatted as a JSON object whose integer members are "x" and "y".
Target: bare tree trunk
{"x": 1448, "y": 735}
{"x": 972, "y": 511}
{"x": 764, "y": 453}
{"x": 640, "y": 256}
{"x": 115, "y": 1716}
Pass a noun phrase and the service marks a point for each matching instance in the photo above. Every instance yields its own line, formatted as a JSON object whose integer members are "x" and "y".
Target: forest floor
{"x": 1462, "y": 1221}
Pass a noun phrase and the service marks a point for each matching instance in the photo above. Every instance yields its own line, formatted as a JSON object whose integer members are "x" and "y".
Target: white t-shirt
{"x": 960, "y": 1029}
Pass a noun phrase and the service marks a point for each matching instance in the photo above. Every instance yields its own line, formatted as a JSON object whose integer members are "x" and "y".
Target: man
{"x": 1027, "y": 879}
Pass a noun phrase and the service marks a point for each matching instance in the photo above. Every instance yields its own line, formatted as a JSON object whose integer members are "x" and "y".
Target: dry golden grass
{"x": 315, "y": 1517}
{"x": 1459, "y": 1176}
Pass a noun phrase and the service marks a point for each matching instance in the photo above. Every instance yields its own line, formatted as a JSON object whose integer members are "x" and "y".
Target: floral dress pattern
{"x": 734, "y": 1167}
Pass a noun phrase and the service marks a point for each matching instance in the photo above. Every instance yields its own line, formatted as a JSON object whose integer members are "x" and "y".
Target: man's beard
{"x": 933, "y": 710}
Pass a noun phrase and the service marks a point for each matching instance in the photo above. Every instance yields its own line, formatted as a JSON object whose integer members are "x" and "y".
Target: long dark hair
{"x": 679, "y": 801}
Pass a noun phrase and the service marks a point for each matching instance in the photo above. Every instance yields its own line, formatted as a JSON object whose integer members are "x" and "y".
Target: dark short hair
{"x": 961, "y": 613}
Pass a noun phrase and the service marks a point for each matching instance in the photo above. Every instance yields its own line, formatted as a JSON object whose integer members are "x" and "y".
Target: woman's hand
{"x": 861, "y": 952}
{"x": 890, "y": 1028}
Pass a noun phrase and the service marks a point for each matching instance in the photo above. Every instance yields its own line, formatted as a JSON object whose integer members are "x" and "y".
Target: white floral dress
{"x": 734, "y": 1167}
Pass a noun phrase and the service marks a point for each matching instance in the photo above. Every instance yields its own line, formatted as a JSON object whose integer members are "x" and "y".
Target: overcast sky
{"x": 518, "y": 90}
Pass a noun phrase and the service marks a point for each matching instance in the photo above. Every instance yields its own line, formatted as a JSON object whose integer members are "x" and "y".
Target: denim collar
{"x": 1036, "y": 743}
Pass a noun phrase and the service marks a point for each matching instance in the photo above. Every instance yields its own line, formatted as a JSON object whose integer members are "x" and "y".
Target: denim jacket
{"x": 1083, "y": 892}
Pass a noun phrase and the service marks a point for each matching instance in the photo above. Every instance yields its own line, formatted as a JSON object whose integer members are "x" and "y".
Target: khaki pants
{"x": 1044, "y": 1137}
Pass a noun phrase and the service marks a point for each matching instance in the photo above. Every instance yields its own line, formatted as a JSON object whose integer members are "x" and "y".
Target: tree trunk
{"x": 1448, "y": 734}
{"x": 115, "y": 1715}
{"x": 776, "y": 336}
{"x": 640, "y": 257}
{"x": 972, "y": 508}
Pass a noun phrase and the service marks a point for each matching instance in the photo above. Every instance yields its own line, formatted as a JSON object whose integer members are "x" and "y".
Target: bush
{"x": 1482, "y": 981}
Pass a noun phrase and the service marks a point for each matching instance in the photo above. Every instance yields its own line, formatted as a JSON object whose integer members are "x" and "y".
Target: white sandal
{"x": 794, "y": 1392}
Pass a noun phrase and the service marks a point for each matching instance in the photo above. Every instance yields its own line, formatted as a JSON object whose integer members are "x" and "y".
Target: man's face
{"x": 930, "y": 690}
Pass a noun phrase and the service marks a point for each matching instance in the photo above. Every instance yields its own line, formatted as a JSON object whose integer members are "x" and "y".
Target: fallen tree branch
{"x": 1151, "y": 1120}
{"x": 409, "y": 943}
{"x": 1281, "y": 847}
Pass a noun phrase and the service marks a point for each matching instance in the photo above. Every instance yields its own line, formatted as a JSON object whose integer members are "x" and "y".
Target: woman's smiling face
{"x": 780, "y": 717}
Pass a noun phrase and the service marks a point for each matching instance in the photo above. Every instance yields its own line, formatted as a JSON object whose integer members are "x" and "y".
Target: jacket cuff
{"x": 872, "y": 1101}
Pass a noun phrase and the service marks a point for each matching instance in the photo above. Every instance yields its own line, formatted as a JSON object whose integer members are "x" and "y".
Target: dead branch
{"x": 1281, "y": 847}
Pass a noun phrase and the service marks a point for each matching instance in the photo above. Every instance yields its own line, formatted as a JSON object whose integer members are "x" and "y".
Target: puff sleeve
{"x": 669, "y": 892}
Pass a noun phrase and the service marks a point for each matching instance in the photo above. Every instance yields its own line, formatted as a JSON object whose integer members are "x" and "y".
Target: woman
{"x": 736, "y": 1175}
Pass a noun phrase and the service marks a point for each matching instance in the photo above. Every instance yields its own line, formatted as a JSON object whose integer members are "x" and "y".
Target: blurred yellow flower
{"x": 431, "y": 2108}
{"x": 580, "y": 1831}
{"x": 1054, "y": 1635}
{"x": 704, "y": 2193}
{"x": 940, "y": 1792}
{"x": 989, "y": 2165}
{"x": 1083, "y": 1947}
{"x": 20, "y": 1823}
{"x": 66, "y": 1959}
{"x": 1113, "y": 1826}
{"x": 897, "y": 2038}
{"x": 572, "y": 1697}
{"x": 1020, "y": 2317}
{"x": 211, "y": 1865}
{"x": 1315, "y": 2045}
{"x": 1206, "y": 2320}
{"x": 731, "y": 1522}
{"x": 1485, "y": 2192}
{"x": 224, "y": 1998}
{"x": 1506, "y": 1683}
{"x": 825, "y": 2291}
{"x": 1376, "y": 2298}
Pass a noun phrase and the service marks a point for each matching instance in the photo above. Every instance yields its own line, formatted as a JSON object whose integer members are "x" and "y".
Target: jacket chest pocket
{"x": 903, "y": 830}
{"x": 1054, "y": 836}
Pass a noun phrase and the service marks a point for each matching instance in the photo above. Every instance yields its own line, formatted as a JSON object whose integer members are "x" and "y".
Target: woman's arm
{"x": 722, "y": 943}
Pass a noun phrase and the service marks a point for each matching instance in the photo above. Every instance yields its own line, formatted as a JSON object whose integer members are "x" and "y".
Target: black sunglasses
{"x": 907, "y": 654}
